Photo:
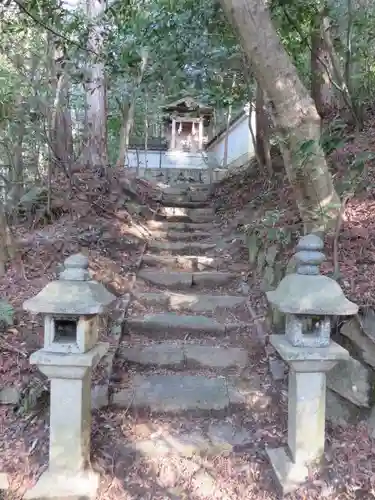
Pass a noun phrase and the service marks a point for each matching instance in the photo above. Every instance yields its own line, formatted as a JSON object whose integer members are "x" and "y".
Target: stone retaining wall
{"x": 266, "y": 254}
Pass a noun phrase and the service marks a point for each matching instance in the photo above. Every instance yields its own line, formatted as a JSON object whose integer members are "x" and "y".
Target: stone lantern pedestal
{"x": 306, "y": 409}
{"x": 309, "y": 301}
{"x": 70, "y": 352}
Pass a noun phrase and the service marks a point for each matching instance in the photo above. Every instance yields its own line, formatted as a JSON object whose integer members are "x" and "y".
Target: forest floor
{"x": 251, "y": 198}
{"x": 99, "y": 228}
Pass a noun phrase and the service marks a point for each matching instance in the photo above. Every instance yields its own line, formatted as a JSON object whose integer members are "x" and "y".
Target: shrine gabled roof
{"x": 188, "y": 103}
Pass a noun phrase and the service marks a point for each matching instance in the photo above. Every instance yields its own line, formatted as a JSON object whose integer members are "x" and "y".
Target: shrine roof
{"x": 186, "y": 104}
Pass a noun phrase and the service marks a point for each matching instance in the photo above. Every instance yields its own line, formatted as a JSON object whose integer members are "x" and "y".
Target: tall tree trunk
{"x": 95, "y": 153}
{"x": 62, "y": 132}
{"x": 296, "y": 119}
{"x": 59, "y": 114}
{"x": 321, "y": 69}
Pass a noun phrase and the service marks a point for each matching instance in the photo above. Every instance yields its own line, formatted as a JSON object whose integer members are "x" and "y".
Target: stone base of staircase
{"x": 178, "y": 393}
{"x": 175, "y": 355}
{"x": 218, "y": 439}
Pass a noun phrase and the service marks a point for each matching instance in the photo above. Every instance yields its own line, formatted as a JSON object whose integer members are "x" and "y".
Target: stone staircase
{"x": 182, "y": 348}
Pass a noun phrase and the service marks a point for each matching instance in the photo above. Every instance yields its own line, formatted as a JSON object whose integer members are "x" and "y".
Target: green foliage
{"x": 293, "y": 20}
{"x": 191, "y": 50}
{"x": 270, "y": 228}
{"x": 334, "y": 136}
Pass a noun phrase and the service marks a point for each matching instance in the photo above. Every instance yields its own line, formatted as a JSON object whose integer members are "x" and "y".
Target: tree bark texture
{"x": 128, "y": 110}
{"x": 96, "y": 92}
{"x": 262, "y": 127}
{"x": 321, "y": 69}
{"x": 296, "y": 118}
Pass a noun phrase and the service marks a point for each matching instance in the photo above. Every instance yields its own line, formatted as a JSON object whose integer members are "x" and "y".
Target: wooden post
{"x": 173, "y": 136}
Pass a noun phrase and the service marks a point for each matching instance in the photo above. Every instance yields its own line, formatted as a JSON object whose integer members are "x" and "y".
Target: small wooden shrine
{"x": 187, "y": 125}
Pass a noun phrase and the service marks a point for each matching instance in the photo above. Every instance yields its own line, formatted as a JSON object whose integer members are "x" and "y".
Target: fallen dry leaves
{"x": 347, "y": 472}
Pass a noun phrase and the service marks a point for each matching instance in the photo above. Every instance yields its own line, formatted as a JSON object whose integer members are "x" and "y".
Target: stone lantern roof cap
{"x": 74, "y": 293}
{"x": 307, "y": 292}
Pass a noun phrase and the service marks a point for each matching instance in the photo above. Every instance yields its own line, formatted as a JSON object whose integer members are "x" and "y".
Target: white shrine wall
{"x": 240, "y": 144}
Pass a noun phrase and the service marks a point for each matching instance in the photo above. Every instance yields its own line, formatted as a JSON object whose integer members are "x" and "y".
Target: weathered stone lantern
{"x": 71, "y": 305}
{"x": 309, "y": 301}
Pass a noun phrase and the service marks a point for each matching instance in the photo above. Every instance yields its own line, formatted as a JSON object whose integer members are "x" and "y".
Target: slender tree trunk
{"x": 128, "y": 113}
{"x": 59, "y": 114}
{"x": 18, "y": 170}
{"x": 3, "y": 246}
{"x": 226, "y": 138}
{"x": 7, "y": 247}
{"x": 296, "y": 119}
{"x": 337, "y": 73}
{"x": 253, "y": 136}
{"x": 262, "y": 127}
{"x": 348, "y": 54}
{"x": 214, "y": 124}
{"x": 229, "y": 117}
{"x": 62, "y": 133}
{"x": 146, "y": 130}
{"x": 321, "y": 68}
{"x": 95, "y": 153}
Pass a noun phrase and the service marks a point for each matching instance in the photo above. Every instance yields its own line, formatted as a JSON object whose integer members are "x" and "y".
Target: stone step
{"x": 201, "y": 218}
{"x": 188, "y": 196}
{"x": 172, "y": 323}
{"x": 181, "y": 203}
{"x": 201, "y": 211}
{"x": 172, "y": 279}
{"x": 196, "y": 219}
{"x": 182, "y": 236}
{"x": 212, "y": 278}
{"x": 186, "y": 279}
{"x": 198, "y": 196}
{"x": 177, "y": 393}
{"x": 178, "y": 226}
{"x": 173, "y": 212}
{"x": 168, "y": 354}
{"x": 187, "y": 188}
{"x": 180, "y": 247}
{"x": 190, "y": 302}
{"x": 187, "y": 262}
{"x": 201, "y": 215}
{"x": 178, "y": 214}
{"x": 220, "y": 437}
